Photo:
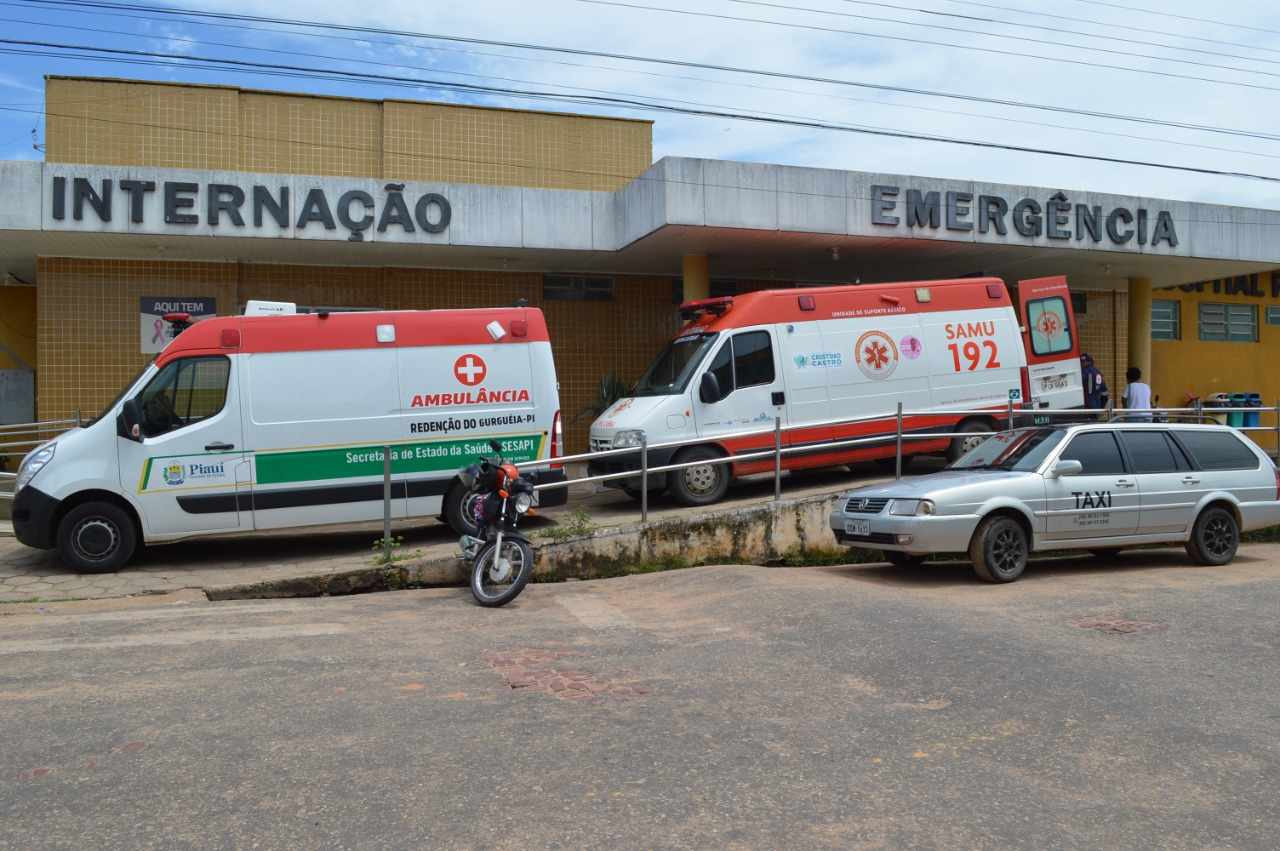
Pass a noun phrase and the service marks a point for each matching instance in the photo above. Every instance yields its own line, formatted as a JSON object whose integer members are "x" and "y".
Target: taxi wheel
{"x": 96, "y": 537}
{"x": 898, "y": 559}
{"x": 1215, "y": 537}
{"x": 999, "y": 549}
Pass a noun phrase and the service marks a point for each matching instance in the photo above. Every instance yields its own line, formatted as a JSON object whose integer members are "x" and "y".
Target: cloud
{"x": 1052, "y": 75}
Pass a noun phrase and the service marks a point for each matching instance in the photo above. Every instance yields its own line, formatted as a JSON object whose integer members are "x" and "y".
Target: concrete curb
{"x": 757, "y": 534}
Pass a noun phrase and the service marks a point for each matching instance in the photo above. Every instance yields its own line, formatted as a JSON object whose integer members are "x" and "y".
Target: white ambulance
{"x": 278, "y": 421}
{"x": 818, "y": 355}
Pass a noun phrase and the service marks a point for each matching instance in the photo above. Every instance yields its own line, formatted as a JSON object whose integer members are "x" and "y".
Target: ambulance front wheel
{"x": 96, "y": 537}
{"x": 702, "y": 484}
{"x": 460, "y": 509}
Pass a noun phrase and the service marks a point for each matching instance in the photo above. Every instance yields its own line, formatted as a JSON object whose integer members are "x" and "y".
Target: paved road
{"x": 1091, "y": 705}
{"x": 27, "y": 574}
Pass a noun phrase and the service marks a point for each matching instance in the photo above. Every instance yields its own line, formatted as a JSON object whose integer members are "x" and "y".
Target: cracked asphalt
{"x": 728, "y": 707}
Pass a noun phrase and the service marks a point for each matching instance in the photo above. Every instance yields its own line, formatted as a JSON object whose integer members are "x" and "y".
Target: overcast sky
{"x": 1245, "y": 100}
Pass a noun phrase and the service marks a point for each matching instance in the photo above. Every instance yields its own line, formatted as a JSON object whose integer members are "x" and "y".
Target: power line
{"x": 1021, "y": 38}
{"x": 1073, "y": 19}
{"x": 150, "y": 57}
{"x": 1166, "y": 13}
{"x": 706, "y": 66}
{"x": 752, "y": 87}
{"x": 910, "y": 40}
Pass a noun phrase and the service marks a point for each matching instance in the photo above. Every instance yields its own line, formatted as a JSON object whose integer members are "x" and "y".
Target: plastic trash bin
{"x": 1235, "y": 419}
{"x": 1253, "y": 419}
{"x": 1217, "y": 400}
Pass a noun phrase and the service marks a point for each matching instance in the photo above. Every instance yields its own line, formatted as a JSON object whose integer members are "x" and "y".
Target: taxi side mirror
{"x": 129, "y": 422}
{"x": 709, "y": 389}
{"x": 1066, "y": 468}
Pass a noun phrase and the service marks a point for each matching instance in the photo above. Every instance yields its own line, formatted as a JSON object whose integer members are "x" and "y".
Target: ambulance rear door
{"x": 1052, "y": 343}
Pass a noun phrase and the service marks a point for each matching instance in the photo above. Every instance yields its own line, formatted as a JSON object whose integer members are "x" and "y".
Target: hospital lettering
{"x": 230, "y": 207}
{"x": 1056, "y": 219}
{"x": 482, "y": 396}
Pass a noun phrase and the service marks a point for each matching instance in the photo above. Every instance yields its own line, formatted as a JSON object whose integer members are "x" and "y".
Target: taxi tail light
{"x": 1025, "y": 375}
{"x": 557, "y": 440}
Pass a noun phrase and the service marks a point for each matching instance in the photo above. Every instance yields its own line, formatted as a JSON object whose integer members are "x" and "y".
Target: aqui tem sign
{"x": 231, "y": 208}
{"x": 1057, "y": 218}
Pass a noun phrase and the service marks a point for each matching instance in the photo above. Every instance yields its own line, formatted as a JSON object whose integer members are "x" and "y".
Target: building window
{"x": 1273, "y": 314}
{"x": 1236, "y": 323}
{"x": 1166, "y": 320}
{"x": 1079, "y": 303}
{"x": 577, "y": 288}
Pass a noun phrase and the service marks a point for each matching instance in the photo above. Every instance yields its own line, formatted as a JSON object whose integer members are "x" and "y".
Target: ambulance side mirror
{"x": 128, "y": 424}
{"x": 709, "y": 389}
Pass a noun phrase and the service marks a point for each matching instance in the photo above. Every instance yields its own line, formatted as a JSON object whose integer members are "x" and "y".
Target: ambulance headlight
{"x": 629, "y": 437}
{"x": 524, "y": 501}
{"x": 912, "y": 507}
{"x": 34, "y": 463}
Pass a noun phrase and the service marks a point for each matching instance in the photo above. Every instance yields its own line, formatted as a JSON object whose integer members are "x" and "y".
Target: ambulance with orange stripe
{"x": 812, "y": 357}
{"x": 278, "y": 421}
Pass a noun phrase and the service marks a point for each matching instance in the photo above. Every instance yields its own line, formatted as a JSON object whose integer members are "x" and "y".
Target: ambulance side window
{"x": 722, "y": 368}
{"x": 184, "y": 392}
{"x": 752, "y": 359}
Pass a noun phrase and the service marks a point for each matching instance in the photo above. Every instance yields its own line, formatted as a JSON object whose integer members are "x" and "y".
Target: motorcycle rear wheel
{"x": 498, "y": 584}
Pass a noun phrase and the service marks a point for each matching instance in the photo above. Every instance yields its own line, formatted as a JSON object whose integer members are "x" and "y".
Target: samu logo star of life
{"x": 876, "y": 355}
{"x": 470, "y": 370}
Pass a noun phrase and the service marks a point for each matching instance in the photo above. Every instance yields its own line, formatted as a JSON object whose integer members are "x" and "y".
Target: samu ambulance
{"x": 278, "y": 421}
{"x": 815, "y": 356}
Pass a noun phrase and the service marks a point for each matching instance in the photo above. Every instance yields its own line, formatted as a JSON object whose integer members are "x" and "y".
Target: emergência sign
{"x": 232, "y": 207}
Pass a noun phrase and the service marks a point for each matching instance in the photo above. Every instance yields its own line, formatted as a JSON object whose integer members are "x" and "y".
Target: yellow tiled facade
{"x": 95, "y": 304}
{"x": 1104, "y": 334}
{"x": 168, "y": 125}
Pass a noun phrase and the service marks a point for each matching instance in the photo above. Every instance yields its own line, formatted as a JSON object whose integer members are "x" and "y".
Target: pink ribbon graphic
{"x": 157, "y": 334}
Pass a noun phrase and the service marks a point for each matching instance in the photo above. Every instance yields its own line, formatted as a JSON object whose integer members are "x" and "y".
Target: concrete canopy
{"x": 754, "y": 221}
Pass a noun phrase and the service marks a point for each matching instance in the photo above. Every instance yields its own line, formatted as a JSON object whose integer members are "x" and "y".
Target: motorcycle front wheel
{"x": 498, "y": 581}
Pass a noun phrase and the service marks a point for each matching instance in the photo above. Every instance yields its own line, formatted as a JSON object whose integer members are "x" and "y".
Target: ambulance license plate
{"x": 861, "y": 528}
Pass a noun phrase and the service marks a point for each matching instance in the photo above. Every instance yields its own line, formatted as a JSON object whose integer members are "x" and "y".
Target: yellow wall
{"x": 169, "y": 125}
{"x": 18, "y": 326}
{"x": 1194, "y": 366}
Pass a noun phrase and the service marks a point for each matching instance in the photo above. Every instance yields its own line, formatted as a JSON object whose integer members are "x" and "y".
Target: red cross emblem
{"x": 470, "y": 370}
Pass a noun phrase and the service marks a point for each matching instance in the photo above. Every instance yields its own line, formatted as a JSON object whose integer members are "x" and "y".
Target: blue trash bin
{"x": 1235, "y": 419}
{"x": 1253, "y": 419}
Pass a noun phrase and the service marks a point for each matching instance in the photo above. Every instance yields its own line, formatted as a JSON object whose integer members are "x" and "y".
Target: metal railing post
{"x": 386, "y": 503}
{"x": 79, "y": 422}
{"x": 644, "y": 478}
{"x": 897, "y": 452}
{"x": 777, "y": 459}
{"x": 1278, "y": 429}
{"x": 1010, "y": 420}
{"x": 1199, "y": 406}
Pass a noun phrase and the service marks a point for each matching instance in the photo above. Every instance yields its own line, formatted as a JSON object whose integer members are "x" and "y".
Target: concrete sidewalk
{"x": 217, "y": 564}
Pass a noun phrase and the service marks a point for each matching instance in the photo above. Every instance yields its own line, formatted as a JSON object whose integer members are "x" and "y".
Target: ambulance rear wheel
{"x": 460, "y": 509}
{"x": 96, "y": 537}
{"x": 960, "y": 445}
{"x": 700, "y": 485}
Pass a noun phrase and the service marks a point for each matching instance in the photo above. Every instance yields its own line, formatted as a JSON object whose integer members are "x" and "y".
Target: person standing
{"x": 1096, "y": 394}
{"x": 1137, "y": 395}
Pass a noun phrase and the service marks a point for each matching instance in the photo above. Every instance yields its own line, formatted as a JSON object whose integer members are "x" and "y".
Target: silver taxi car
{"x": 1098, "y": 487}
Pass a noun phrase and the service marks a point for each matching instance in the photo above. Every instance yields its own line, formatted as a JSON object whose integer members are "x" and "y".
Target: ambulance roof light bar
{"x": 713, "y": 306}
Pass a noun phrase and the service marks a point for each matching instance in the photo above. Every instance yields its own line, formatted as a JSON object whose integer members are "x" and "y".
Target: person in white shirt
{"x": 1137, "y": 394}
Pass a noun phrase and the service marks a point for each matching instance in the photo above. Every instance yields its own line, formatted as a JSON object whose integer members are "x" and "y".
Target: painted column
{"x": 1139, "y": 328}
{"x": 697, "y": 277}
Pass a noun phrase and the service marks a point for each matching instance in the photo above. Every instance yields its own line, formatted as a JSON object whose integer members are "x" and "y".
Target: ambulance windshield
{"x": 671, "y": 372}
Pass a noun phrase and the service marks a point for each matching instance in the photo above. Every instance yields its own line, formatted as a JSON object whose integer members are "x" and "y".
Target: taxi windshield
{"x": 1021, "y": 449}
{"x": 671, "y": 371}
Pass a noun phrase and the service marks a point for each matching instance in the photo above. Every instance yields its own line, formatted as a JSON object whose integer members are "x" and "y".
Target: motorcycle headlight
{"x": 912, "y": 507}
{"x": 524, "y": 501}
{"x": 629, "y": 437}
{"x": 32, "y": 464}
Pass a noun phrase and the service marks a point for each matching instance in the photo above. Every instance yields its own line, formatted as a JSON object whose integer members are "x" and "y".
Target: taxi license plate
{"x": 857, "y": 527}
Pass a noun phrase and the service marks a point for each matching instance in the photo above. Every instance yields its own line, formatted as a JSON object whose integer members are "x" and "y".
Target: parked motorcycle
{"x": 501, "y": 558}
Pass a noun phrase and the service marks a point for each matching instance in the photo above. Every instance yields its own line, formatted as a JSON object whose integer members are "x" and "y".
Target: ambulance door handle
{"x": 218, "y": 447}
